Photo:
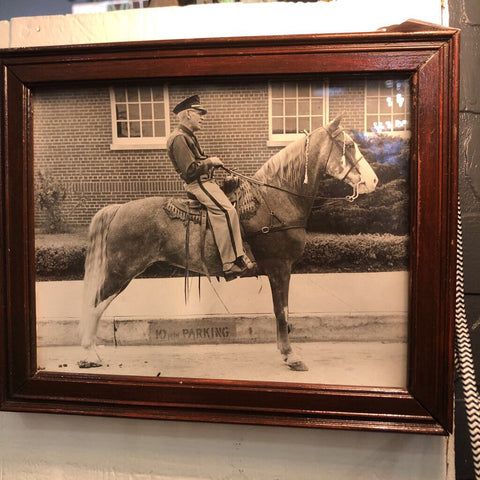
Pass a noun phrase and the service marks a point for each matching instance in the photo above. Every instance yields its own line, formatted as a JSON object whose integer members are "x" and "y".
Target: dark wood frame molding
{"x": 425, "y": 52}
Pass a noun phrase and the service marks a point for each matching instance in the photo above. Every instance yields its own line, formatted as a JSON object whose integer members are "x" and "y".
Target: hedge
{"x": 323, "y": 253}
{"x": 353, "y": 253}
{"x": 383, "y": 211}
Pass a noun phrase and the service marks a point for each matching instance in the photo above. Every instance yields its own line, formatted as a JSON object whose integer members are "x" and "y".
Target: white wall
{"x": 40, "y": 446}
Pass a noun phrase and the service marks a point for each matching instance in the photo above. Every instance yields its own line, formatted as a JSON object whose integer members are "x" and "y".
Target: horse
{"x": 125, "y": 239}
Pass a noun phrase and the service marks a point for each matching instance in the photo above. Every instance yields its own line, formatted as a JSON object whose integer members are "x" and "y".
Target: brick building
{"x": 106, "y": 144}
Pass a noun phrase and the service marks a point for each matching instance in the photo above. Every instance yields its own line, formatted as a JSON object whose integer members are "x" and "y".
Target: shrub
{"x": 56, "y": 262}
{"x": 50, "y": 195}
{"x": 353, "y": 253}
{"x": 385, "y": 149}
{"x": 383, "y": 211}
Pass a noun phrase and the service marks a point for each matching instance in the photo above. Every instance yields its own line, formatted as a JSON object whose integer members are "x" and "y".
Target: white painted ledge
{"x": 218, "y": 20}
{"x": 4, "y": 34}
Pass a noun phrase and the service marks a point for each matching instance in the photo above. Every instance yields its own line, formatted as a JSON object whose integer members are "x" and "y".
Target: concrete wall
{"x": 38, "y": 446}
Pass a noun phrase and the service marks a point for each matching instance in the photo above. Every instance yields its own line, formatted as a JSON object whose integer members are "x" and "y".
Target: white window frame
{"x": 276, "y": 139}
{"x": 137, "y": 143}
{"x": 406, "y": 132}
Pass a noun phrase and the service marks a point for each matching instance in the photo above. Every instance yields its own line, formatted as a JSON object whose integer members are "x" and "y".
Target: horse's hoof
{"x": 298, "y": 366}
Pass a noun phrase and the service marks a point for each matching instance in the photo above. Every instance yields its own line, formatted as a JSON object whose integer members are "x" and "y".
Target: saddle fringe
{"x": 247, "y": 202}
{"x": 242, "y": 197}
{"x": 177, "y": 208}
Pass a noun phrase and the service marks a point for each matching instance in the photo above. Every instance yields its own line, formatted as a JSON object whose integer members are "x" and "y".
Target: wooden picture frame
{"x": 426, "y": 53}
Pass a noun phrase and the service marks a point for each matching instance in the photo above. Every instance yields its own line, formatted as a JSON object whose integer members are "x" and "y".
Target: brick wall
{"x": 72, "y": 137}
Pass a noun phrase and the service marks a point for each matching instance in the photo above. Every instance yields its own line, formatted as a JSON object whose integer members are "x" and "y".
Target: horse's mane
{"x": 284, "y": 167}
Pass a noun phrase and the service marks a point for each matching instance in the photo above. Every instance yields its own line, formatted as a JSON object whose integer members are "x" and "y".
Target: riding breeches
{"x": 222, "y": 216}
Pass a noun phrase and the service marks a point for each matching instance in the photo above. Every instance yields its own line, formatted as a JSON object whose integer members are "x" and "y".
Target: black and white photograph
{"x": 244, "y": 229}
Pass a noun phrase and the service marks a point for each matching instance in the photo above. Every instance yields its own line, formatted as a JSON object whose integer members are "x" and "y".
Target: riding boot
{"x": 241, "y": 267}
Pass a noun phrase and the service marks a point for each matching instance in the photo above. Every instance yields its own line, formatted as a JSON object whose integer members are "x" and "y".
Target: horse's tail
{"x": 95, "y": 272}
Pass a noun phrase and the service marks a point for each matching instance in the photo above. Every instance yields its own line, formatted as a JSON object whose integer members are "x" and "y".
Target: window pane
{"x": 372, "y": 105}
{"x": 290, "y": 90}
{"x": 386, "y": 104}
{"x": 133, "y": 111}
{"x": 134, "y": 129}
{"x": 277, "y": 90}
{"x": 122, "y": 129}
{"x": 317, "y": 106}
{"x": 400, "y": 122}
{"x": 372, "y": 88}
{"x": 121, "y": 111}
{"x": 303, "y": 90}
{"x": 277, "y": 108}
{"x": 277, "y": 125}
{"x": 120, "y": 95}
{"x": 146, "y": 110}
{"x": 317, "y": 122}
{"x": 304, "y": 107}
{"x": 385, "y": 88}
{"x": 371, "y": 123}
{"x": 317, "y": 89}
{"x": 160, "y": 129}
{"x": 157, "y": 93}
{"x": 290, "y": 125}
{"x": 303, "y": 124}
{"x": 290, "y": 107}
{"x": 399, "y": 103}
{"x": 145, "y": 94}
{"x": 147, "y": 129}
{"x": 386, "y": 121}
{"x": 158, "y": 111}
{"x": 132, "y": 94}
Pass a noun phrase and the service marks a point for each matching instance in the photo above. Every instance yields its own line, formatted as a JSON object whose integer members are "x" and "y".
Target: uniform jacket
{"x": 187, "y": 157}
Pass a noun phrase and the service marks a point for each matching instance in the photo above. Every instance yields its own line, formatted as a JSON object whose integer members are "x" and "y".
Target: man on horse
{"x": 196, "y": 170}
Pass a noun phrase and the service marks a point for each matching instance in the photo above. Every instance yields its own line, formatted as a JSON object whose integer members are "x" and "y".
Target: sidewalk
{"x": 333, "y": 307}
{"x": 334, "y": 363}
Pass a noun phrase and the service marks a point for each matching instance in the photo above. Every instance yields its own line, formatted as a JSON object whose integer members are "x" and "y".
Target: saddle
{"x": 185, "y": 209}
{"x": 190, "y": 210}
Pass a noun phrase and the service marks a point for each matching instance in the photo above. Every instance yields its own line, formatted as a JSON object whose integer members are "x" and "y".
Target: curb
{"x": 221, "y": 329}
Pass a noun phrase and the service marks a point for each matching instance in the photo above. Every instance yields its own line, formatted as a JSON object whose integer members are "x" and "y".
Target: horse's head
{"x": 347, "y": 163}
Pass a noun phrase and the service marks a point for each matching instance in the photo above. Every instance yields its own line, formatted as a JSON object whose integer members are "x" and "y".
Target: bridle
{"x": 353, "y": 165}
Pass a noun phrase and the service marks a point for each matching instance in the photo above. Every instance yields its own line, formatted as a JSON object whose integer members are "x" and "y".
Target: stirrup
{"x": 247, "y": 262}
{"x": 235, "y": 271}
{"x": 242, "y": 266}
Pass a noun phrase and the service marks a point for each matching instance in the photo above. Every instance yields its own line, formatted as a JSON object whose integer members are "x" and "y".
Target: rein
{"x": 263, "y": 184}
{"x": 349, "y": 198}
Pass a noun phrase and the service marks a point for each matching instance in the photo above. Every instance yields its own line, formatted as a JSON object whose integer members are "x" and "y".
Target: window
{"x": 139, "y": 117}
{"x": 387, "y": 104}
{"x": 295, "y": 107}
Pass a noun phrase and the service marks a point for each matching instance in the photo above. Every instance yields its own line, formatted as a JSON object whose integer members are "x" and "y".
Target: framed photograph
{"x": 245, "y": 230}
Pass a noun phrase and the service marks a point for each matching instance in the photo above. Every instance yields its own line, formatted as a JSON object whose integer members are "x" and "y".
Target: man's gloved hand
{"x": 215, "y": 161}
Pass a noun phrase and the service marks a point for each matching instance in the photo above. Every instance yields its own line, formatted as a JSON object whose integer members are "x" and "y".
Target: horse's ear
{"x": 334, "y": 126}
